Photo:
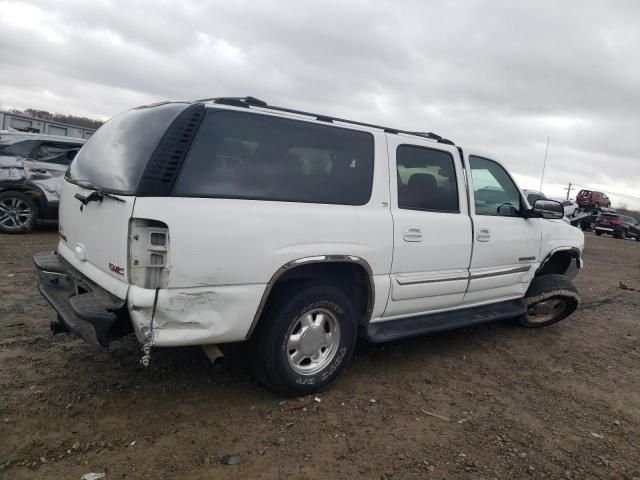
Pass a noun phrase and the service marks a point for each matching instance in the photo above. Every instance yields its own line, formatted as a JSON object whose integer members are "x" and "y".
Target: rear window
{"x": 260, "y": 157}
{"x": 116, "y": 154}
{"x": 609, "y": 216}
{"x": 585, "y": 192}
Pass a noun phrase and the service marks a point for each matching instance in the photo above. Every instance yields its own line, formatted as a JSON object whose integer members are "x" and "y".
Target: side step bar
{"x": 387, "y": 331}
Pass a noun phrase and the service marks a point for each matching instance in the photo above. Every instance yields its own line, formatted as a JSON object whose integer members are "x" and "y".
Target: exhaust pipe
{"x": 214, "y": 354}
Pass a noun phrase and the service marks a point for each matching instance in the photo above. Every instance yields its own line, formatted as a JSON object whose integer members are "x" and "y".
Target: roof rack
{"x": 247, "y": 102}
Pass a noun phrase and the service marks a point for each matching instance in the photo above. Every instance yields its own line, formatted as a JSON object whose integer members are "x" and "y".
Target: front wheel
{"x": 550, "y": 298}
{"x": 18, "y": 213}
{"x": 303, "y": 341}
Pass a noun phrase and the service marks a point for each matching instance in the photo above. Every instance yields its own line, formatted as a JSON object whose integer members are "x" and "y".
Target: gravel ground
{"x": 496, "y": 401}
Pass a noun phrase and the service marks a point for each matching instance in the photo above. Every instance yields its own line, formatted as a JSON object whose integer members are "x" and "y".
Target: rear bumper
{"x": 84, "y": 308}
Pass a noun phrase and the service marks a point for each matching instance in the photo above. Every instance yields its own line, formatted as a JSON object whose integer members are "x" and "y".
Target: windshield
{"x": 114, "y": 158}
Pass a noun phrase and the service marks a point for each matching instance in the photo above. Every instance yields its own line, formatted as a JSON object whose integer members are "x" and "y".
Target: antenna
{"x": 544, "y": 165}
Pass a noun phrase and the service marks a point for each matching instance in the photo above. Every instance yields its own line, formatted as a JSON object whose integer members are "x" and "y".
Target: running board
{"x": 390, "y": 330}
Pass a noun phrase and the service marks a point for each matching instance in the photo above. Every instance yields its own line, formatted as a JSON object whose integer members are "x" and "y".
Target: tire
{"x": 550, "y": 298}
{"x": 18, "y": 213}
{"x": 598, "y": 233}
{"x": 316, "y": 309}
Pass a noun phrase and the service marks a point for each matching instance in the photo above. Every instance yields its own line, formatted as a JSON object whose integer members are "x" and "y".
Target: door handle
{"x": 412, "y": 234}
{"x": 39, "y": 170}
{"x": 483, "y": 235}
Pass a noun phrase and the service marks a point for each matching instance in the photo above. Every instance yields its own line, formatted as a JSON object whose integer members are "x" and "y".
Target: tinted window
{"x": 426, "y": 179}
{"x": 116, "y": 154}
{"x": 493, "y": 190}
{"x": 249, "y": 156}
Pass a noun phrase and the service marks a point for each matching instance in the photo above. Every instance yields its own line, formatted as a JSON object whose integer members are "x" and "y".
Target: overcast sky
{"x": 500, "y": 76}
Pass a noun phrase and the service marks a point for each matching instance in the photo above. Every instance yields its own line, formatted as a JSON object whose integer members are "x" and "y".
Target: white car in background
{"x": 570, "y": 206}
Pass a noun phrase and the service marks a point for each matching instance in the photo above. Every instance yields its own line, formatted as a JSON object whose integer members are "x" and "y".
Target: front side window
{"x": 260, "y": 157}
{"x": 426, "y": 179}
{"x": 493, "y": 190}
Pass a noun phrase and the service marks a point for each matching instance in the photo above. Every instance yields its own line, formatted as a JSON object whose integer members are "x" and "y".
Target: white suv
{"x": 229, "y": 220}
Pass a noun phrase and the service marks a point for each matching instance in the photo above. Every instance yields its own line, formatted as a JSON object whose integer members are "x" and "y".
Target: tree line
{"x": 59, "y": 117}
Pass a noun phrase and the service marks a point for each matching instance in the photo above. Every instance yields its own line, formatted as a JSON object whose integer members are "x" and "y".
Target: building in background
{"x": 22, "y": 123}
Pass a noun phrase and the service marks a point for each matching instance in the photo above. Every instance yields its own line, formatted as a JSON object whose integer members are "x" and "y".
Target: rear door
{"x": 506, "y": 246}
{"x": 432, "y": 228}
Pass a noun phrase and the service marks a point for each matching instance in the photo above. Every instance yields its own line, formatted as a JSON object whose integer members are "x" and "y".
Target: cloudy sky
{"x": 498, "y": 75}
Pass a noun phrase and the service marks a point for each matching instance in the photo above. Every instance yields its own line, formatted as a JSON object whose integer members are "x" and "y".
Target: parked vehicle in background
{"x": 620, "y": 226}
{"x": 229, "y": 220}
{"x": 570, "y": 206}
{"x": 32, "y": 168}
{"x": 592, "y": 199}
{"x": 588, "y": 222}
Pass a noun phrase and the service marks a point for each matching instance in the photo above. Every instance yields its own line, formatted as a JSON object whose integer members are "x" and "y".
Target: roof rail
{"x": 247, "y": 102}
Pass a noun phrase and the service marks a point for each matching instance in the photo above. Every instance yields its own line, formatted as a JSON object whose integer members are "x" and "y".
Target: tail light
{"x": 149, "y": 253}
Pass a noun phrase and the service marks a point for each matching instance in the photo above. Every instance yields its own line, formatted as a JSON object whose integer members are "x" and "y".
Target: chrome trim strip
{"x": 416, "y": 280}
{"x": 523, "y": 269}
{"x": 308, "y": 260}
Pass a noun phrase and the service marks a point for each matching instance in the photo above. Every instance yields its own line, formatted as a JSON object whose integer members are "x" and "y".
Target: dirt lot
{"x": 562, "y": 402}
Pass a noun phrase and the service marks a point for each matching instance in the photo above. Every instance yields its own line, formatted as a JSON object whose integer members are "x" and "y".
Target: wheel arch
{"x": 562, "y": 260}
{"x": 32, "y": 191}
{"x": 330, "y": 268}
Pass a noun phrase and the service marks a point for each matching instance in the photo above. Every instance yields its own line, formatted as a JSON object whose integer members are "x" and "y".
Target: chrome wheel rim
{"x": 546, "y": 310}
{"x": 14, "y": 213}
{"x": 313, "y": 341}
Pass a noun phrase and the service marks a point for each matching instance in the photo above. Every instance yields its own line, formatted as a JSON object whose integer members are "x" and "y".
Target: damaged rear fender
{"x": 193, "y": 316}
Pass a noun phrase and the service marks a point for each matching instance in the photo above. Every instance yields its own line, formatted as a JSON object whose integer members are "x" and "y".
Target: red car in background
{"x": 620, "y": 226}
{"x": 592, "y": 199}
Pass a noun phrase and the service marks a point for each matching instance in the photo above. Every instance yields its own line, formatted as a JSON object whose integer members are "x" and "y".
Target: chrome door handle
{"x": 412, "y": 234}
{"x": 483, "y": 235}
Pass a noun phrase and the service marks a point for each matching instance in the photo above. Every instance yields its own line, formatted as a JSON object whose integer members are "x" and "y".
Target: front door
{"x": 506, "y": 245}
{"x": 432, "y": 227}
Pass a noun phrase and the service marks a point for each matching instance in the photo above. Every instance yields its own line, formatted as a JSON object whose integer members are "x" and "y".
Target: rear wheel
{"x": 305, "y": 340}
{"x": 598, "y": 233}
{"x": 550, "y": 298}
{"x": 18, "y": 213}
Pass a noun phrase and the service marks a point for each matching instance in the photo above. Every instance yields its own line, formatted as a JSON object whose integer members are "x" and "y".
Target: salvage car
{"x": 32, "y": 167}
{"x": 229, "y": 220}
{"x": 592, "y": 199}
{"x": 620, "y": 226}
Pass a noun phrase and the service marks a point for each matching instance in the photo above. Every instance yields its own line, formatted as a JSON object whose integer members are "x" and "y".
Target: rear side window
{"x": 426, "y": 179}
{"x": 259, "y": 157}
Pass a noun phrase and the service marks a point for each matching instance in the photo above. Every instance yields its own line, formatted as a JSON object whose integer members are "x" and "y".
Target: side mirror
{"x": 548, "y": 209}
